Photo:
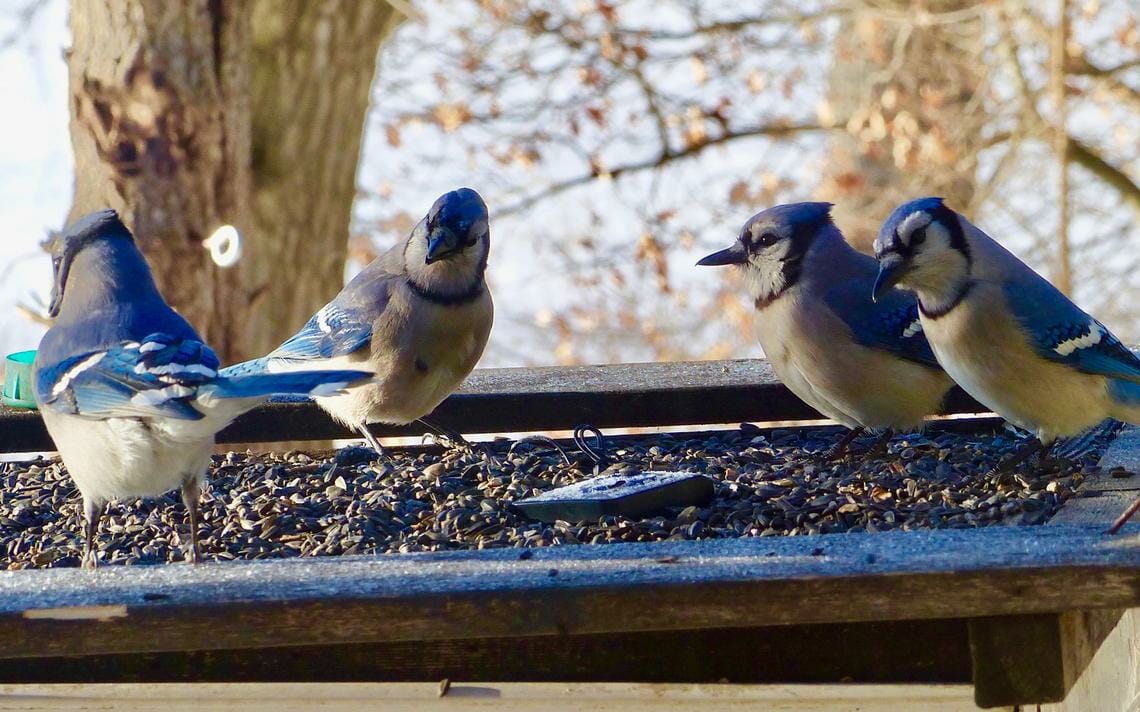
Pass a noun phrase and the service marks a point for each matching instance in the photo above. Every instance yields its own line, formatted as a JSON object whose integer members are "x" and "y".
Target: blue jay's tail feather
{"x": 1126, "y": 396}
{"x": 246, "y": 368}
{"x": 258, "y": 385}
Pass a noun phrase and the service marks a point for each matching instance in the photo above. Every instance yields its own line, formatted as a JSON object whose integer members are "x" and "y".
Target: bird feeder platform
{"x": 1023, "y": 614}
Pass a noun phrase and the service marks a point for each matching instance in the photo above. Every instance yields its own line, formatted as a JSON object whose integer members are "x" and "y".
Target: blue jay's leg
{"x": 190, "y": 492}
{"x": 1027, "y": 451}
{"x": 371, "y": 439}
{"x": 92, "y": 513}
{"x": 456, "y": 440}
{"x": 839, "y": 449}
{"x": 879, "y": 447}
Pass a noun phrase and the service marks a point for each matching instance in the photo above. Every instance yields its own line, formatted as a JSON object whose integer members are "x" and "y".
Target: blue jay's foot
{"x": 1004, "y": 470}
{"x": 879, "y": 447}
{"x": 455, "y": 440}
{"x": 842, "y": 448}
{"x": 92, "y": 512}
{"x": 371, "y": 440}
{"x": 190, "y": 492}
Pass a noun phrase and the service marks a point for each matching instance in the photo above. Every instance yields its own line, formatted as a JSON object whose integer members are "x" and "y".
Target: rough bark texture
{"x": 911, "y": 90}
{"x": 193, "y": 114}
{"x": 313, "y": 65}
{"x": 160, "y": 127}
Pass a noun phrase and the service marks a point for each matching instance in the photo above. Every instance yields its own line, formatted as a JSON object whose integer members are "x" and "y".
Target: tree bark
{"x": 313, "y": 66}
{"x": 911, "y": 90}
{"x": 193, "y": 114}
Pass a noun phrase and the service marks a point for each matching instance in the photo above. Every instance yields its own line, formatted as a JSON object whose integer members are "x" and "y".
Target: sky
{"x": 35, "y": 163}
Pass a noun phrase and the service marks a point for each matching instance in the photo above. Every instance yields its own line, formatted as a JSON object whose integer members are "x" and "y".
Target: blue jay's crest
{"x": 907, "y": 226}
{"x": 99, "y": 225}
{"x": 456, "y": 222}
{"x": 791, "y": 227}
{"x": 460, "y": 210}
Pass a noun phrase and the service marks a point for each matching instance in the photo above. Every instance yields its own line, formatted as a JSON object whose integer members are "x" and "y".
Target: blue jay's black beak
{"x": 56, "y": 298}
{"x": 441, "y": 243}
{"x": 57, "y": 290}
{"x": 892, "y": 268}
{"x": 735, "y": 255}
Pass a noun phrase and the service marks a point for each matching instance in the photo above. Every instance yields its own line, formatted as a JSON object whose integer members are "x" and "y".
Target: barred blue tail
{"x": 246, "y": 368}
{"x": 300, "y": 383}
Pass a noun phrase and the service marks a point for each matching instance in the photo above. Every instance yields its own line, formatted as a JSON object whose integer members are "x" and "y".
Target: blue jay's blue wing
{"x": 158, "y": 376}
{"x": 333, "y": 331}
{"x": 890, "y": 324}
{"x": 1059, "y": 331}
{"x": 344, "y": 325}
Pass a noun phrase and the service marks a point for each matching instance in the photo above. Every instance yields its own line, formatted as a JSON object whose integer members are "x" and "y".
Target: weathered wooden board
{"x": 538, "y": 399}
{"x": 1034, "y": 659}
{"x": 576, "y": 590}
{"x": 509, "y": 697}
{"x": 887, "y": 652}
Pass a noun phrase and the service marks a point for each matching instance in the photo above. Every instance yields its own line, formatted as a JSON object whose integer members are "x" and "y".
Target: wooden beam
{"x": 578, "y": 590}
{"x": 887, "y": 652}
{"x": 501, "y": 697}
{"x": 539, "y": 399}
{"x": 1034, "y": 659}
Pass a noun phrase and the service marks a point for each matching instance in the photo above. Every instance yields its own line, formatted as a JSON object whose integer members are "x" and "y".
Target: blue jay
{"x": 1005, "y": 334}
{"x": 128, "y": 391}
{"x": 863, "y": 364}
{"x": 418, "y": 316}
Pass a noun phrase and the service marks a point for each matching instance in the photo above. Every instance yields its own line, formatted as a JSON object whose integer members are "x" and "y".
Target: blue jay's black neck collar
{"x": 446, "y": 297}
{"x": 937, "y": 311}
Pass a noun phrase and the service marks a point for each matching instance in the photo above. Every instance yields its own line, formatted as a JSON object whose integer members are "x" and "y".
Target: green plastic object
{"x": 18, "y": 380}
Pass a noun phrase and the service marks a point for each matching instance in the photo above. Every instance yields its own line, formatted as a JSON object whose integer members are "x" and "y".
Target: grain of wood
{"x": 613, "y": 588}
{"x": 424, "y": 697}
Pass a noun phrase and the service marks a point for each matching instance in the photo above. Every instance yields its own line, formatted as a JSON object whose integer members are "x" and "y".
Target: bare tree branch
{"x": 664, "y": 158}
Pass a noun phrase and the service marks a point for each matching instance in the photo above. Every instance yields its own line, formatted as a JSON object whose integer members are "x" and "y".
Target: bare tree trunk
{"x": 911, "y": 90}
{"x": 193, "y": 114}
{"x": 160, "y": 127}
{"x": 313, "y": 65}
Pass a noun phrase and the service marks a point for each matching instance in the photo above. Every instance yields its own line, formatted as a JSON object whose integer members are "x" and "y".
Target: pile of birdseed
{"x": 768, "y": 483}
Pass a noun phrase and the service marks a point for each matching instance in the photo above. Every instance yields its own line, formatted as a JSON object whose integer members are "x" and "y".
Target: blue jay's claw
{"x": 734, "y": 255}
{"x": 1006, "y": 468}
{"x": 842, "y": 447}
{"x": 892, "y": 268}
{"x": 879, "y": 448}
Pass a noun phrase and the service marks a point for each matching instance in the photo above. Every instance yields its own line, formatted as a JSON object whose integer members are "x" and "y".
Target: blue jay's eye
{"x": 918, "y": 237}
{"x": 767, "y": 239}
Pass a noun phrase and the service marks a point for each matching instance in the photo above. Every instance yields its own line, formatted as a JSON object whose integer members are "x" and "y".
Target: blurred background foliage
{"x": 617, "y": 142}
